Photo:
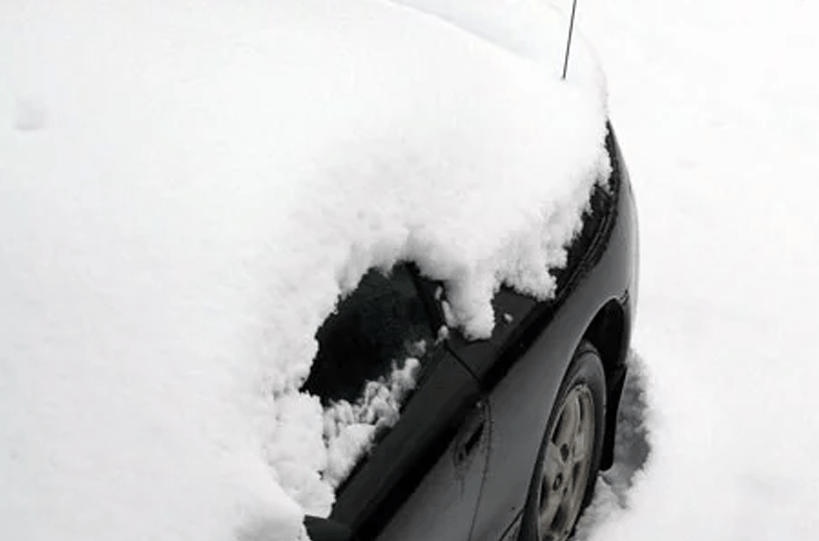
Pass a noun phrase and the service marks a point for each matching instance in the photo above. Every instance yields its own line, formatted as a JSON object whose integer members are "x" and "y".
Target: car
{"x": 497, "y": 439}
{"x": 251, "y": 258}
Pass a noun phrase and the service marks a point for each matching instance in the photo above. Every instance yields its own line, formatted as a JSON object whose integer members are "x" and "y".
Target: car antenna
{"x": 569, "y": 40}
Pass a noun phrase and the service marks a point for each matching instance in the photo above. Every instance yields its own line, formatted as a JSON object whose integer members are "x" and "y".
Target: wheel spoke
{"x": 567, "y": 426}
{"x": 576, "y": 413}
{"x": 580, "y": 444}
{"x": 554, "y": 485}
{"x": 546, "y": 517}
{"x": 552, "y": 471}
{"x": 554, "y": 460}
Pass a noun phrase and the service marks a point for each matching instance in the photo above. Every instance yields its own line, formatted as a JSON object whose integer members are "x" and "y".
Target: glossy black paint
{"x": 420, "y": 471}
{"x": 458, "y": 465}
{"x": 322, "y": 529}
{"x": 521, "y": 373}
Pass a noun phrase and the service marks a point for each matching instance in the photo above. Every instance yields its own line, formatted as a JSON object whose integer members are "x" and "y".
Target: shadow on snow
{"x": 632, "y": 450}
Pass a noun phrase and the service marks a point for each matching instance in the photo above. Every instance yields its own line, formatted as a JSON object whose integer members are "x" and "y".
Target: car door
{"x": 422, "y": 476}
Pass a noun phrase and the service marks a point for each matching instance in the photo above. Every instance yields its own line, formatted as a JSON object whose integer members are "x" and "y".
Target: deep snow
{"x": 716, "y": 104}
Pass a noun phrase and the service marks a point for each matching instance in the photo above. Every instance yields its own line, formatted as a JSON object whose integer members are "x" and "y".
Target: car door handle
{"x": 474, "y": 437}
{"x": 471, "y": 434}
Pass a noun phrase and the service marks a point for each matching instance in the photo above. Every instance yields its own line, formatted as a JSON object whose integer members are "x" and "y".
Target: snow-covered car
{"x": 497, "y": 439}
{"x": 367, "y": 261}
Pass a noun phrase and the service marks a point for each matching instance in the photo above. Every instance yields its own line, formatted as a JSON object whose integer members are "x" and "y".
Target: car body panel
{"x": 419, "y": 483}
{"x": 521, "y": 367}
{"x": 416, "y": 484}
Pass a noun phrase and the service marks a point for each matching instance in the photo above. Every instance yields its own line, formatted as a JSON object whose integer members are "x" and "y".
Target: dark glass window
{"x": 373, "y": 331}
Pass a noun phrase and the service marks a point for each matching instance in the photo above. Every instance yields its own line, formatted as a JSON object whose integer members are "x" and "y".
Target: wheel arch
{"x": 609, "y": 332}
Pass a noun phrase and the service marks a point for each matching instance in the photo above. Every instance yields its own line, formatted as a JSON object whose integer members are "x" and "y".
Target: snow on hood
{"x": 532, "y": 29}
{"x": 185, "y": 190}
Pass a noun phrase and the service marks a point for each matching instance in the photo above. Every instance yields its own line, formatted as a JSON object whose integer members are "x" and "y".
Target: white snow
{"x": 185, "y": 190}
{"x": 532, "y": 29}
{"x": 349, "y": 429}
{"x": 716, "y": 103}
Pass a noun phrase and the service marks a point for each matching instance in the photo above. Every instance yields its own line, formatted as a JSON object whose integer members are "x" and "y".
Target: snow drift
{"x": 186, "y": 188}
{"x": 718, "y": 113}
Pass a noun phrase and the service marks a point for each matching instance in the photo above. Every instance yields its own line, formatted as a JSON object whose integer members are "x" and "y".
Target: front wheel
{"x": 569, "y": 457}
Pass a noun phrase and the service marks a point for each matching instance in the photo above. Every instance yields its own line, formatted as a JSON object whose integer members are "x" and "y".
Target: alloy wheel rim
{"x": 566, "y": 465}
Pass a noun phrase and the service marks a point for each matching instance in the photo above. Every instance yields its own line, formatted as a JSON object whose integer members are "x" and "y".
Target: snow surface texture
{"x": 716, "y": 106}
{"x": 185, "y": 190}
{"x": 349, "y": 429}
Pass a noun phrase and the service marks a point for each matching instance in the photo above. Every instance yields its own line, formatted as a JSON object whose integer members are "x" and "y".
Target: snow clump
{"x": 350, "y": 429}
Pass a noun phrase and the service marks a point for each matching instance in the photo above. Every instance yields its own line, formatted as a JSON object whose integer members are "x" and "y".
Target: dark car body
{"x": 458, "y": 463}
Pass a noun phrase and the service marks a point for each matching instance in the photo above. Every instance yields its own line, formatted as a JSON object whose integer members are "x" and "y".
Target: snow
{"x": 717, "y": 110}
{"x": 532, "y": 29}
{"x": 350, "y": 429}
{"x": 186, "y": 188}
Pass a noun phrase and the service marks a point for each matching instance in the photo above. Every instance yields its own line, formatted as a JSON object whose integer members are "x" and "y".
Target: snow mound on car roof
{"x": 185, "y": 190}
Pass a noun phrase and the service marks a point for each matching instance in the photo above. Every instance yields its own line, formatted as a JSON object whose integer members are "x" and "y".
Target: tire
{"x": 566, "y": 470}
